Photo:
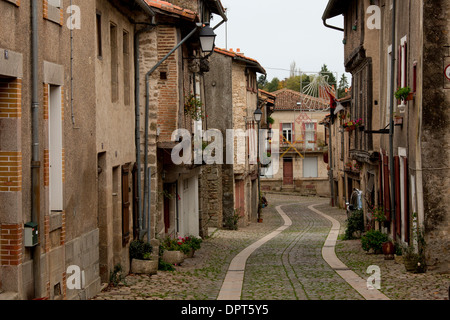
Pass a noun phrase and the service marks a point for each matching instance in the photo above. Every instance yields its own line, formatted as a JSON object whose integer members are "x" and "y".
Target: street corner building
{"x": 82, "y": 173}
{"x": 394, "y": 147}
{"x": 232, "y": 92}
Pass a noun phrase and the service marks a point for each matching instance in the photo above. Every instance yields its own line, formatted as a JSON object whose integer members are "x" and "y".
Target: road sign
{"x": 447, "y": 72}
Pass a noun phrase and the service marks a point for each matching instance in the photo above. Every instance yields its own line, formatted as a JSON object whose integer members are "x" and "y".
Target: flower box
{"x": 398, "y": 121}
{"x": 144, "y": 266}
{"x": 173, "y": 257}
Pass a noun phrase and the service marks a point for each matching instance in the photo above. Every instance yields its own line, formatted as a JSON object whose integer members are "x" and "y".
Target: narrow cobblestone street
{"x": 288, "y": 267}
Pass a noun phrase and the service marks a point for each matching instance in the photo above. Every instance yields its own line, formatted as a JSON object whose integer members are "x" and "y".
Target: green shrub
{"x": 164, "y": 266}
{"x": 193, "y": 242}
{"x": 181, "y": 244}
{"x": 355, "y": 223}
{"x": 374, "y": 240}
{"x": 140, "y": 250}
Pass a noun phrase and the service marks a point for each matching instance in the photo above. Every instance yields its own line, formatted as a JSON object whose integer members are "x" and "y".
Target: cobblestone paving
{"x": 287, "y": 267}
{"x": 291, "y": 265}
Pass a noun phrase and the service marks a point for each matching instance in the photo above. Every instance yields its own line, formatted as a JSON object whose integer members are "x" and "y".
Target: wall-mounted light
{"x": 258, "y": 115}
{"x": 207, "y": 38}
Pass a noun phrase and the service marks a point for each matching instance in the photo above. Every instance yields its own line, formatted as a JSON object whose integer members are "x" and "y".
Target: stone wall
{"x": 211, "y": 193}
{"x": 435, "y": 136}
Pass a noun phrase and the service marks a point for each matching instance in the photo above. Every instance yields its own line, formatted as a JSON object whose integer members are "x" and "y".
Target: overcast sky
{"x": 276, "y": 33}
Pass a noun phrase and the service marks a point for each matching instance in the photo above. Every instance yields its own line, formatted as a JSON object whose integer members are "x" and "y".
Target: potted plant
{"x": 270, "y": 120}
{"x": 373, "y": 240}
{"x": 353, "y": 124}
{"x": 174, "y": 251}
{"x": 348, "y": 165}
{"x": 193, "y": 243}
{"x": 403, "y": 94}
{"x": 142, "y": 261}
{"x": 398, "y": 256}
{"x": 388, "y": 250}
{"x": 414, "y": 259}
{"x": 193, "y": 107}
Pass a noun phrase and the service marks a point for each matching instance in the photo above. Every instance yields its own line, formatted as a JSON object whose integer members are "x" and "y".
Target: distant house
{"x": 232, "y": 94}
{"x": 302, "y": 144}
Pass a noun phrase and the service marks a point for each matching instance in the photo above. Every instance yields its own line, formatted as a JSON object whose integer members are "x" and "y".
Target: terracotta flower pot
{"x": 388, "y": 250}
{"x": 388, "y": 247}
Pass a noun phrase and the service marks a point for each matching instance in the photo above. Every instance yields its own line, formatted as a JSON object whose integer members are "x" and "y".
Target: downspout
{"x": 137, "y": 82}
{"x": 147, "y": 111}
{"x": 331, "y": 164}
{"x": 324, "y": 20}
{"x": 330, "y": 26}
{"x": 35, "y": 163}
{"x": 138, "y": 121}
{"x": 258, "y": 155}
{"x": 391, "y": 118}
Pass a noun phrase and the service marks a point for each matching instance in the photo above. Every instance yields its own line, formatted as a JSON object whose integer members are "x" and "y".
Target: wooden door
{"x": 125, "y": 205}
{"x": 167, "y": 193}
{"x": 288, "y": 172}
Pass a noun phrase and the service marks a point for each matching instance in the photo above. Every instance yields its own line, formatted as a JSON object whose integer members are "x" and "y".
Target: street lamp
{"x": 207, "y": 38}
{"x": 258, "y": 115}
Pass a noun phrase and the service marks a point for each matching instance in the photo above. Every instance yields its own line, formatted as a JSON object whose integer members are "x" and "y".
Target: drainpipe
{"x": 144, "y": 6}
{"x": 331, "y": 27}
{"x": 138, "y": 121}
{"x": 35, "y": 163}
{"x": 391, "y": 119}
{"x": 331, "y": 164}
{"x": 147, "y": 111}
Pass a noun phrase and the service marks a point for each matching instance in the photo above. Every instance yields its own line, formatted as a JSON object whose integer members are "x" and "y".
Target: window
{"x": 126, "y": 67}
{"x": 99, "y": 35}
{"x": 55, "y": 134}
{"x": 388, "y": 83}
{"x": 55, "y": 3}
{"x": 53, "y": 11}
{"x": 114, "y": 63}
{"x": 287, "y": 132}
{"x": 310, "y": 134}
{"x": 402, "y": 64}
{"x": 310, "y": 167}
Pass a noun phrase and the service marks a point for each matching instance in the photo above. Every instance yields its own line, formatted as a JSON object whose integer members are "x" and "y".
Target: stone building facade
{"x": 42, "y": 173}
{"x": 302, "y": 143}
{"x": 231, "y": 89}
{"x": 409, "y": 183}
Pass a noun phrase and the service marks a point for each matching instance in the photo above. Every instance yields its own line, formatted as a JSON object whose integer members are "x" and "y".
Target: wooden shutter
{"x": 386, "y": 188}
{"x": 315, "y": 133}
{"x": 406, "y": 213}
{"x": 135, "y": 174}
{"x": 281, "y": 134}
{"x": 405, "y": 63}
{"x": 125, "y": 205}
{"x": 293, "y": 133}
{"x": 399, "y": 67}
{"x": 380, "y": 182}
{"x": 398, "y": 208}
